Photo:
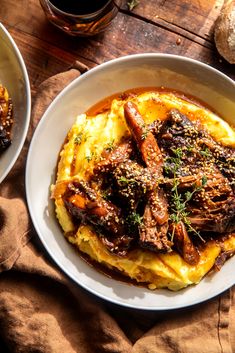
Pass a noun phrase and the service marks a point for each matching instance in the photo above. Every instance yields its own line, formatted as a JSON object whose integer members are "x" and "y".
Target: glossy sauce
{"x": 105, "y": 104}
{"x": 110, "y": 273}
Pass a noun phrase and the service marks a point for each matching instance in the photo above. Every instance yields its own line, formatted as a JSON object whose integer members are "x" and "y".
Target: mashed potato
{"x": 86, "y": 140}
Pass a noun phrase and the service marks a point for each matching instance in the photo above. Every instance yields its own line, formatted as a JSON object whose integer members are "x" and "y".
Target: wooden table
{"x": 183, "y": 27}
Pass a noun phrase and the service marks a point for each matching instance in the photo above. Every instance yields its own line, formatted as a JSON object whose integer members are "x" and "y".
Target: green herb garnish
{"x": 91, "y": 156}
{"x": 206, "y": 153}
{"x": 179, "y": 201}
{"x": 105, "y": 194}
{"x": 110, "y": 146}
{"x": 144, "y": 133}
{"x": 133, "y": 221}
{"x": 88, "y": 158}
{"x": 124, "y": 180}
{"x": 78, "y": 138}
{"x": 132, "y": 4}
{"x": 174, "y": 163}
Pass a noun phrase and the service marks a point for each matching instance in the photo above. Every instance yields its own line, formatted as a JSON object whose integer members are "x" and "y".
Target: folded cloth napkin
{"x": 43, "y": 311}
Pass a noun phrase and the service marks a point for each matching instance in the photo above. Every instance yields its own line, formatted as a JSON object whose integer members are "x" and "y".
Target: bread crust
{"x": 225, "y": 31}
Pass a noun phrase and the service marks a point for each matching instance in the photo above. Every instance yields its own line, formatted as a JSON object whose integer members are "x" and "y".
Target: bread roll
{"x": 225, "y": 31}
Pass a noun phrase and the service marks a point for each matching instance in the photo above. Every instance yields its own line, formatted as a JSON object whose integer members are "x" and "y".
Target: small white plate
{"x": 13, "y": 76}
{"x": 142, "y": 70}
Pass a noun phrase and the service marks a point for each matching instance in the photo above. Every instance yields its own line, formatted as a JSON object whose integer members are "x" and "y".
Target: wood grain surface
{"x": 183, "y": 27}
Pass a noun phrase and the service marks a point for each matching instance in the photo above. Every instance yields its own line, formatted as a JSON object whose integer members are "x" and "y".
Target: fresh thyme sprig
{"x": 179, "y": 201}
{"x": 133, "y": 221}
{"x": 145, "y": 132}
{"x": 135, "y": 218}
{"x": 179, "y": 204}
{"x": 132, "y": 4}
{"x": 124, "y": 180}
{"x": 88, "y": 158}
{"x": 174, "y": 163}
{"x": 110, "y": 146}
{"x": 78, "y": 138}
{"x": 91, "y": 156}
{"x": 105, "y": 194}
{"x": 206, "y": 153}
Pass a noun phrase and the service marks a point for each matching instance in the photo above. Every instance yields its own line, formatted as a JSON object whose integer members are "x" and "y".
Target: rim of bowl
{"x": 38, "y": 128}
{"x": 139, "y": 56}
{"x": 28, "y": 100}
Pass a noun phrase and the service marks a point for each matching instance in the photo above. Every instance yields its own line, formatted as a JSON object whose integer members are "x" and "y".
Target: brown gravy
{"x": 105, "y": 104}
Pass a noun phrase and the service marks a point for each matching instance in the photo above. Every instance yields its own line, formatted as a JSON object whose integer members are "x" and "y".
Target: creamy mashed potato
{"x": 86, "y": 140}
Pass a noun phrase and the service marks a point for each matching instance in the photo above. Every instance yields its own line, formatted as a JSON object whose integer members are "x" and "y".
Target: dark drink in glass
{"x": 81, "y": 17}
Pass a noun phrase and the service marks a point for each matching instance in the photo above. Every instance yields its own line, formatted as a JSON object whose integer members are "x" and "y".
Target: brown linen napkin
{"x": 41, "y": 310}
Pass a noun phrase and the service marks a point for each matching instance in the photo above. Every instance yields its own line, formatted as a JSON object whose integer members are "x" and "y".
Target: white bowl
{"x": 180, "y": 73}
{"x": 13, "y": 75}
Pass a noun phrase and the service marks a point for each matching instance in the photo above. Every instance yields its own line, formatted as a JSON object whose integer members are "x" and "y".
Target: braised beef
{"x": 162, "y": 187}
{"x": 154, "y": 228}
{"x": 86, "y": 204}
{"x": 5, "y": 140}
{"x": 212, "y": 207}
{"x": 132, "y": 182}
{"x": 110, "y": 159}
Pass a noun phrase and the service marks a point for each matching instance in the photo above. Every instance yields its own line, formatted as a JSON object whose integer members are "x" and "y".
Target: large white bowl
{"x": 180, "y": 73}
{"x": 13, "y": 75}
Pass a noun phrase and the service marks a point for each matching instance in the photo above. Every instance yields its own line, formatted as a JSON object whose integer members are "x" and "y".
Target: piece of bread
{"x": 225, "y": 31}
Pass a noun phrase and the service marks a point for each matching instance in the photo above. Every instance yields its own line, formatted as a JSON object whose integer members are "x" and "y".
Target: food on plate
{"x": 6, "y": 119}
{"x": 145, "y": 188}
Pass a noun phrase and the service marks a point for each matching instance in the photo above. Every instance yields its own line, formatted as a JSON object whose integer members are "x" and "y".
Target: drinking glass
{"x": 81, "y": 17}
